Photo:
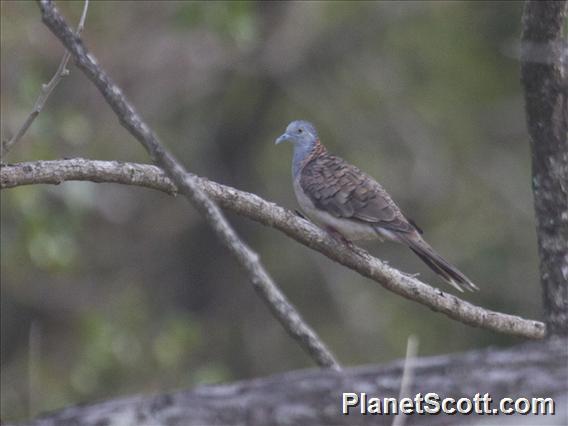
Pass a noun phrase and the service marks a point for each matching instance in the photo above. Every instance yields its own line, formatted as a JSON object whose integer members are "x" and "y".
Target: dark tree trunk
{"x": 544, "y": 74}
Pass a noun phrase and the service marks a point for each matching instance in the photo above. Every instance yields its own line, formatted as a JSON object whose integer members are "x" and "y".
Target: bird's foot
{"x": 339, "y": 236}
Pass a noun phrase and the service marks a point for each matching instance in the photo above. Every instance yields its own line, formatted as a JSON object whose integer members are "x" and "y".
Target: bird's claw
{"x": 348, "y": 243}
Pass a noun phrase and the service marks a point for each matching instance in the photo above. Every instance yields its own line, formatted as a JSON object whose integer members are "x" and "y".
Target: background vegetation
{"x": 110, "y": 290}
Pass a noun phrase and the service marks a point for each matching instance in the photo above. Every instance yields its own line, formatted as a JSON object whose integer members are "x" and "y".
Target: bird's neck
{"x": 304, "y": 153}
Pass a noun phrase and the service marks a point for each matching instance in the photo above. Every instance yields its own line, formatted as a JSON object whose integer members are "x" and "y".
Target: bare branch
{"x": 270, "y": 214}
{"x": 308, "y": 397}
{"x": 188, "y": 185}
{"x": 46, "y": 90}
{"x": 83, "y": 17}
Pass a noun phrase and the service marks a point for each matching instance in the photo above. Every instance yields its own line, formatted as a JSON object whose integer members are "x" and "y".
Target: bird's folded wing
{"x": 344, "y": 191}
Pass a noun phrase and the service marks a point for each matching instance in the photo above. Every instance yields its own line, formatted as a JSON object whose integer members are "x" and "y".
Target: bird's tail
{"x": 437, "y": 263}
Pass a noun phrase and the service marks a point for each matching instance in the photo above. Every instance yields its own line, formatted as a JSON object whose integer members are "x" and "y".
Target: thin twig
{"x": 269, "y": 214}
{"x": 34, "y": 357}
{"x": 407, "y": 376}
{"x": 188, "y": 185}
{"x": 46, "y": 90}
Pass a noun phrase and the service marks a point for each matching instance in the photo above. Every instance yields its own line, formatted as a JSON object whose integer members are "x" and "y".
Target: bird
{"x": 351, "y": 205}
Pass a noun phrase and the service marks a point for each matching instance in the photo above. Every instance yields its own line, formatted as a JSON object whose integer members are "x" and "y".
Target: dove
{"x": 351, "y": 205}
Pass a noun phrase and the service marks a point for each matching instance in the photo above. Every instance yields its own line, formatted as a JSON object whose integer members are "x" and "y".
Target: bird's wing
{"x": 344, "y": 191}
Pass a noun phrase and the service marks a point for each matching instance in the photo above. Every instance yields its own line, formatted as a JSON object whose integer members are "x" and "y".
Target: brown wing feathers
{"x": 346, "y": 192}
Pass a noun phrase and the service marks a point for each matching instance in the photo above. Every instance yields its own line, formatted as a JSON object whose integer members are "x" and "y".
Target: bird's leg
{"x": 339, "y": 236}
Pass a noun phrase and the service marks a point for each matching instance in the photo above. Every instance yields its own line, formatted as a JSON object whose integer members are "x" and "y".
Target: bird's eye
{"x": 300, "y": 130}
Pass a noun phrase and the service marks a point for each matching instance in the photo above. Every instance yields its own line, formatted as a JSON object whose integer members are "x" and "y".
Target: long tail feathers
{"x": 437, "y": 263}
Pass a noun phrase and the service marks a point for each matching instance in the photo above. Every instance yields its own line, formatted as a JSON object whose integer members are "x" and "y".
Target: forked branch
{"x": 188, "y": 185}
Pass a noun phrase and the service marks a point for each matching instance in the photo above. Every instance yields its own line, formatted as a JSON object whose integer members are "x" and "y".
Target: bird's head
{"x": 301, "y": 133}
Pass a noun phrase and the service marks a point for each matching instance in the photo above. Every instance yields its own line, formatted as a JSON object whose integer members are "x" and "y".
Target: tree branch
{"x": 188, "y": 185}
{"x": 46, "y": 90}
{"x": 314, "y": 397}
{"x": 270, "y": 214}
{"x": 544, "y": 75}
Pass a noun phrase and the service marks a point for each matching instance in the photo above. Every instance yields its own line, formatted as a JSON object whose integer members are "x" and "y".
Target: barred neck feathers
{"x": 304, "y": 153}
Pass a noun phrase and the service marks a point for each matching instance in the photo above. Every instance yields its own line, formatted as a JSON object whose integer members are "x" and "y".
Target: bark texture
{"x": 313, "y": 397}
{"x": 545, "y": 80}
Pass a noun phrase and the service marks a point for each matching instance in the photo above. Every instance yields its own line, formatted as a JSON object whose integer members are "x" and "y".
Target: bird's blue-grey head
{"x": 299, "y": 132}
{"x": 303, "y": 135}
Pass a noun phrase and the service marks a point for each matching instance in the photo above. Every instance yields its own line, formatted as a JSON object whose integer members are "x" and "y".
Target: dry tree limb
{"x": 254, "y": 207}
{"x": 314, "y": 397}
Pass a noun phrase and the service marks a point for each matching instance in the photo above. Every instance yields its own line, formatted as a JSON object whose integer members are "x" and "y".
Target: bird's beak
{"x": 283, "y": 138}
